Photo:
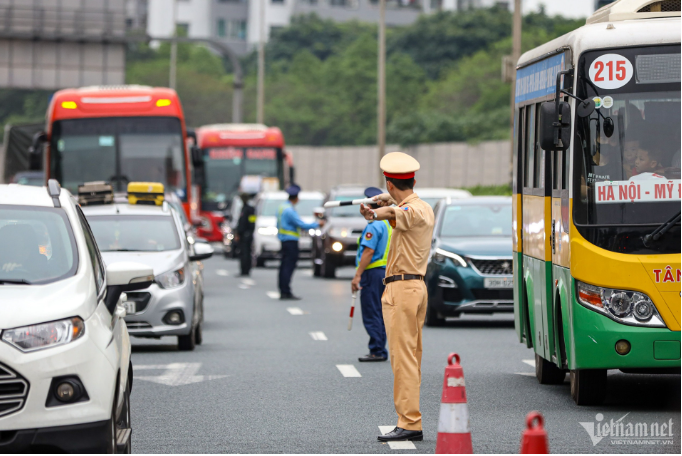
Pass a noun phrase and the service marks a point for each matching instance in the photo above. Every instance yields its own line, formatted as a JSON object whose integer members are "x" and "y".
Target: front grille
{"x": 357, "y": 232}
{"x": 493, "y": 267}
{"x": 138, "y": 325}
{"x": 141, "y": 300}
{"x": 493, "y": 295}
{"x": 13, "y": 391}
{"x": 665, "y": 6}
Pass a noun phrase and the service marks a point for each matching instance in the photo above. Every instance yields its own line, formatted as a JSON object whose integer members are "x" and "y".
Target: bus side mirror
{"x": 554, "y": 134}
{"x": 35, "y": 151}
{"x": 197, "y": 156}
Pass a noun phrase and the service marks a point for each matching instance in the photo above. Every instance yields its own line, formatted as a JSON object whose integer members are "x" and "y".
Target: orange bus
{"x": 229, "y": 152}
{"x": 118, "y": 134}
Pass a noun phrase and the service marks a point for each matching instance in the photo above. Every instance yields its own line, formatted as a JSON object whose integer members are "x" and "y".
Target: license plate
{"x": 129, "y": 307}
{"x": 502, "y": 282}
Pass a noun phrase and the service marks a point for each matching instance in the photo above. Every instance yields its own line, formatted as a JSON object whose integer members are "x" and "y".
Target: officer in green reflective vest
{"x": 371, "y": 258}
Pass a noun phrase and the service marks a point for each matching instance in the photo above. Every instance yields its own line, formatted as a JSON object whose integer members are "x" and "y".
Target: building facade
{"x": 237, "y": 22}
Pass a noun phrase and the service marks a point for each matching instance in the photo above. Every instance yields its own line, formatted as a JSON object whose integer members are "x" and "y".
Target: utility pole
{"x": 516, "y": 53}
{"x": 174, "y": 48}
{"x": 381, "y": 86}
{"x": 261, "y": 67}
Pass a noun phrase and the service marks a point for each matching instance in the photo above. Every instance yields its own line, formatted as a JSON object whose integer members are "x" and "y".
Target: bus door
{"x": 536, "y": 233}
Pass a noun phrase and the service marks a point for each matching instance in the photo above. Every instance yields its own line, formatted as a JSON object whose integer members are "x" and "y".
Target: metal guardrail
{"x": 67, "y": 23}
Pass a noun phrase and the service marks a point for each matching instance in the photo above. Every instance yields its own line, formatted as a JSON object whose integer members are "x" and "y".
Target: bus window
{"x": 539, "y": 156}
{"x": 529, "y": 146}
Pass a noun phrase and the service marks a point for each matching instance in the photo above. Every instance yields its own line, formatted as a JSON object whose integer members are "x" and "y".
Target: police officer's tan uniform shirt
{"x": 411, "y": 239}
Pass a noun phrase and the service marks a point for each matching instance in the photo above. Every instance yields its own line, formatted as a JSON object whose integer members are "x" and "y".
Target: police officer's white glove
{"x": 384, "y": 200}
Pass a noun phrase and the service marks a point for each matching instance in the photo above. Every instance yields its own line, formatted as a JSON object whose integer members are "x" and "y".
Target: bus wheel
{"x": 588, "y": 386}
{"x": 547, "y": 372}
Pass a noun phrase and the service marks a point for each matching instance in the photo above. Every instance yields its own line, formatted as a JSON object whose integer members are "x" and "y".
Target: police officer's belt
{"x": 395, "y": 278}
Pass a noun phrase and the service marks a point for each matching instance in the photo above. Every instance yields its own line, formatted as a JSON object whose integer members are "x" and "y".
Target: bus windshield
{"x": 225, "y": 166}
{"x": 627, "y": 152}
{"x": 118, "y": 150}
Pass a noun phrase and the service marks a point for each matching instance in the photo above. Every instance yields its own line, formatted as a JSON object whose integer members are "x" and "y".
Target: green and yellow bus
{"x": 596, "y": 206}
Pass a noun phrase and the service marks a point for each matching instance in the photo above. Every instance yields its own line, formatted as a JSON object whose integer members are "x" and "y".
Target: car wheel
{"x": 188, "y": 342}
{"x": 260, "y": 262}
{"x": 198, "y": 336}
{"x": 119, "y": 430}
{"x": 547, "y": 372}
{"x": 588, "y": 386}
{"x": 432, "y": 317}
{"x": 317, "y": 269}
{"x": 327, "y": 269}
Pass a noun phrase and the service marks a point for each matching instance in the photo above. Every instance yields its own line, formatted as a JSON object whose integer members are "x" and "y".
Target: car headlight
{"x": 337, "y": 246}
{"x": 340, "y": 232}
{"x": 171, "y": 279}
{"x": 314, "y": 232}
{"x": 624, "y": 306}
{"x": 268, "y": 230}
{"x": 441, "y": 254}
{"x": 44, "y": 335}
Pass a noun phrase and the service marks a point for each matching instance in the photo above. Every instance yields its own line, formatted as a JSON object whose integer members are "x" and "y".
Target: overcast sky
{"x": 566, "y": 8}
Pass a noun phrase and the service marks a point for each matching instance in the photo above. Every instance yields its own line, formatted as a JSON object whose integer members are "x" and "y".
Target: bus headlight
{"x": 624, "y": 306}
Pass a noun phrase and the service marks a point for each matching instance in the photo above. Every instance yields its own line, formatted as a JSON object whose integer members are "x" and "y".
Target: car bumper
{"x": 77, "y": 438}
{"x": 468, "y": 293}
{"x": 269, "y": 249}
{"x": 149, "y": 321}
{"x": 87, "y": 358}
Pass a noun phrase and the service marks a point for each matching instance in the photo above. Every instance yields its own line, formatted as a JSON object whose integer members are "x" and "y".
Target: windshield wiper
{"x": 14, "y": 282}
{"x": 656, "y": 234}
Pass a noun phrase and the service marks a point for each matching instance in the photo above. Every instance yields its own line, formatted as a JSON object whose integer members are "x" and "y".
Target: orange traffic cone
{"x": 534, "y": 438}
{"x": 454, "y": 434}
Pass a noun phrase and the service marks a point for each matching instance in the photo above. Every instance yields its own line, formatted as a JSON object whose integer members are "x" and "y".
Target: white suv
{"x": 65, "y": 370}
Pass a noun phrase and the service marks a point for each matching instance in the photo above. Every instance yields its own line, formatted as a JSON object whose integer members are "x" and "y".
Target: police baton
{"x": 352, "y": 310}
{"x": 356, "y": 202}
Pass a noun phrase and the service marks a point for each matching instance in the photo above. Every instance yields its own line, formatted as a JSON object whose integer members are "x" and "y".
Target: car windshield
{"x": 134, "y": 233}
{"x": 628, "y": 150}
{"x": 304, "y": 207}
{"x": 472, "y": 221}
{"x": 118, "y": 150}
{"x": 346, "y": 211}
{"x": 36, "y": 245}
{"x": 225, "y": 166}
{"x": 431, "y": 201}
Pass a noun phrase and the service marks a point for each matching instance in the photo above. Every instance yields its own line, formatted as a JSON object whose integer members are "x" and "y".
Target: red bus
{"x": 229, "y": 152}
{"x": 118, "y": 134}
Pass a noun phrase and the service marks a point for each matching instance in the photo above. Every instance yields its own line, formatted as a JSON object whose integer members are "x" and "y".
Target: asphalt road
{"x": 261, "y": 383}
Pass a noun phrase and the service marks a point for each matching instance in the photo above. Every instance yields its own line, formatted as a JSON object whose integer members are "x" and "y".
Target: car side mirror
{"x": 553, "y": 134}
{"x": 35, "y": 151}
{"x": 202, "y": 251}
{"x": 126, "y": 276}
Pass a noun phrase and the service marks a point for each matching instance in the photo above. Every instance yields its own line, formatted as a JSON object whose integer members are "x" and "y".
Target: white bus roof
{"x": 600, "y": 35}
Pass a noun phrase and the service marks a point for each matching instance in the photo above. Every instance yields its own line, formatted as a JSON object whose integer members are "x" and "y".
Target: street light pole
{"x": 261, "y": 67}
{"x": 516, "y": 53}
{"x": 381, "y": 85}
{"x": 174, "y": 48}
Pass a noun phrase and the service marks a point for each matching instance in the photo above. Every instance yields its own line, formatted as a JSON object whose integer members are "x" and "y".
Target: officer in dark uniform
{"x": 370, "y": 271}
{"x": 245, "y": 227}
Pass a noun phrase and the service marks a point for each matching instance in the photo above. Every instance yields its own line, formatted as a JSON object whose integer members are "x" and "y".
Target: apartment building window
{"x": 221, "y": 28}
{"x": 338, "y": 2}
{"x": 237, "y": 30}
{"x": 278, "y": 2}
{"x": 182, "y": 29}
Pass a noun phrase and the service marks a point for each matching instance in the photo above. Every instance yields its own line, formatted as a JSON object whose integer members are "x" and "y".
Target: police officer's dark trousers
{"x": 245, "y": 243}
{"x": 287, "y": 266}
{"x": 372, "y": 317}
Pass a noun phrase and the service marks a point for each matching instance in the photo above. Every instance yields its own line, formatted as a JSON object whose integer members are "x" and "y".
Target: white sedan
{"x": 65, "y": 370}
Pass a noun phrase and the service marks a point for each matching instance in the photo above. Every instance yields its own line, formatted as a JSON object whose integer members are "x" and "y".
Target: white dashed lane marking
{"x": 272, "y": 294}
{"x": 294, "y": 311}
{"x": 223, "y": 272}
{"x": 348, "y": 370}
{"x": 249, "y": 282}
{"x": 318, "y": 335}
{"x": 405, "y": 445}
{"x": 530, "y": 362}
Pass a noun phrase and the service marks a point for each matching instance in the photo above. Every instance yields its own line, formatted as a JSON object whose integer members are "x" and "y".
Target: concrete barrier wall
{"x": 442, "y": 164}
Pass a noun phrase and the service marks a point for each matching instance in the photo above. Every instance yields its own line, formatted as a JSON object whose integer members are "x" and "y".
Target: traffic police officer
{"x": 245, "y": 227}
{"x": 404, "y": 299}
{"x": 370, "y": 271}
{"x": 288, "y": 225}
